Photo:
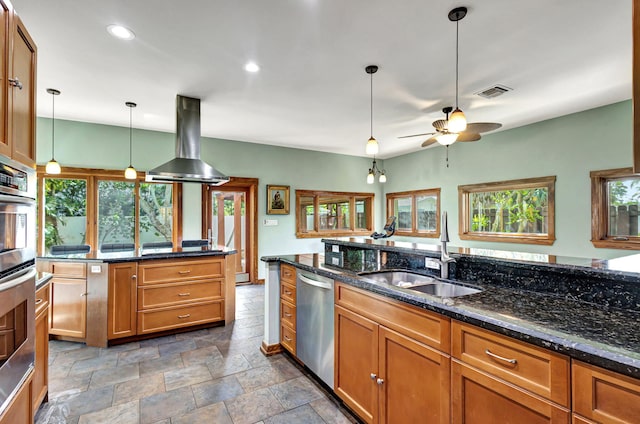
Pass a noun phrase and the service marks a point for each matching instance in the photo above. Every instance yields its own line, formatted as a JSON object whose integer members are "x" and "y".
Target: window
{"x": 99, "y": 207}
{"x": 417, "y": 212}
{"x": 615, "y": 197}
{"x": 328, "y": 214}
{"x": 518, "y": 211}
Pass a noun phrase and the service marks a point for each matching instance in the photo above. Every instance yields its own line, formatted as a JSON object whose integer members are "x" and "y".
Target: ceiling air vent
{"x": 495, "y": 91}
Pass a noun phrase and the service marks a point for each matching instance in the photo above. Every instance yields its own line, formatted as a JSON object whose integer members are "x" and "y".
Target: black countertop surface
{"x": 599, "y": 335}
{"x": 146, "y": 254}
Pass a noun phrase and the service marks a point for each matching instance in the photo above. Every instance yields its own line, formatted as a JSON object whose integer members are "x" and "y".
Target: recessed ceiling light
{"x": 251, "y": 67}
{"x": 121, "y": 32}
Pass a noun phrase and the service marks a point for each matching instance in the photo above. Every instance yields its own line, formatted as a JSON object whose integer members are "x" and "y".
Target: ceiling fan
{"x": 445, "y": 137}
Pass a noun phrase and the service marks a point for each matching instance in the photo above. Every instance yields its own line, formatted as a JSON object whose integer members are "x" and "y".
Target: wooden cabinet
{"x": 17, "y": 88}
{"x": 603, "y": 396}
{"x": 495, "y": 377}
{"x": 288, "y": 307}
{"x": 20, "y": 410}
{"x": 41, "y": 372}
{"x": 180, "y": 293}
{"x": 68, "y": 300}
{"x": 122, "y": 300}
{"x": 390, "y": 375}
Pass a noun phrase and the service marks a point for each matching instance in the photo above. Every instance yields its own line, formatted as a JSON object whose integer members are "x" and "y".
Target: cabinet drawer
{"x": 604, "y": 396}
{"x": 288, "y": 314}
{"x": 175, "y": 294}
{"x": 288, "y": 292}
{"x": 179, "y": 316}
{"x": 42, "y": 299}
{"x": 69, "y": 269}
{"x": 6, "y": 321}
{"x": 427, "y": 327}
{"x": 288, "y": 338}
{"x": 159, "y": 272}
{"x": 288, "y": 273}
{"x": 6, "y": 343}
{"x": 535, "y": 369}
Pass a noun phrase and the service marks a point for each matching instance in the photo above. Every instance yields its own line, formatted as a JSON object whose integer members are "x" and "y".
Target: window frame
{"x": 352, "y": 196}
{"x": 600, "y": 237}
{"x": 464, "y": 229}
{"x": 413, "y": 194}
{"x": 92, "y": 176}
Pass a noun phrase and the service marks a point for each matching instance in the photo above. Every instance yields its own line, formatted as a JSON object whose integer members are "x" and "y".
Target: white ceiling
{"x": 312, "y": 92}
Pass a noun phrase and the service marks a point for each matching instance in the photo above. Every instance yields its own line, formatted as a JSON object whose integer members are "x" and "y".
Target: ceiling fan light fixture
{"x": 447, "y": 139}
{"x": 457, "y": 121}
{"x": 372, "y": 147}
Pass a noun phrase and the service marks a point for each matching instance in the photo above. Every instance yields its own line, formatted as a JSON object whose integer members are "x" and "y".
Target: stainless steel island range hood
{"x": 187, "y": 165}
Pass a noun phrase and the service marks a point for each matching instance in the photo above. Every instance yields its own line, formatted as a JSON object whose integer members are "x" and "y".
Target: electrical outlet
{"x": 270, "y": 222}
{"x": 95, "y": 269}
{"x": 431, "y": 263}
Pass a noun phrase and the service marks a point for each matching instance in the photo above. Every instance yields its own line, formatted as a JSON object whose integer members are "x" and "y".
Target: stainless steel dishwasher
{"x": 314, "y": 321}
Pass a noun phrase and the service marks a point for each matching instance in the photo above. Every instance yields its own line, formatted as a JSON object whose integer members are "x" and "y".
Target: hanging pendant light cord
{"x": 371, "y": 101}
{"x": 130, "y": 133}
{"x": 457, "y": 38}
{"x": 53, "y": 124}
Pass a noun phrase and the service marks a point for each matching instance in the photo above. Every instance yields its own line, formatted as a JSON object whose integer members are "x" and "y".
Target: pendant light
{"x": 372, "y": 144}
{"x": 457, "y": 121}
{"x": 130, "y": 173}
{"x": 53, "y": 167}
{"x": 373, "y": 171}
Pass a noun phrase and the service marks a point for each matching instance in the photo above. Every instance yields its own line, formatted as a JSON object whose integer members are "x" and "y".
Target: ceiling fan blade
{"x": 429, "y": 142}
{"x": 468, "y": 136}
{"x": 416, "y": 135}
{"x": 440, "y": 124}
{"x": 481, "y": 127}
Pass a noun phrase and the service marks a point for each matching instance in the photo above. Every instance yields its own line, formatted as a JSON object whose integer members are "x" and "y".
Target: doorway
{"x": 230, "y": 217}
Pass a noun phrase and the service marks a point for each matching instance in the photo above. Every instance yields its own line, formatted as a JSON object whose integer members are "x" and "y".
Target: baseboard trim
{"x": 269, "y": 350}
{"x": 260, "y": 281}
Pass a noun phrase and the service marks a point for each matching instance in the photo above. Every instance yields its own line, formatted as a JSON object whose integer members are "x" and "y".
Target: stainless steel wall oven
{"x": 17, "y": 276}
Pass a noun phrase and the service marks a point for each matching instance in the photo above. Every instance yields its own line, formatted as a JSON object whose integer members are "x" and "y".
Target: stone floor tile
{"x": 157, "y": 341}
{"x": 71, "y": 356}
{"x": 201, "y": 355}
{"x": 330, "y": 412}
{"x": 227, "y": 365}
{"x": 168, "y": 349}
{"x": 302, "y": 414}
{"x": 127, "y": 413}
{"x": 87, "y": 401}
{"x": 215, "y": 391}
{"x": 138, "y": 355}
{"x": 165, "y": 405}
{"x": 257, "y": 378}
{"x": 254, "y": 406}
{"x": 192, "y": 334}
{"x": 286, "y": 367}
{"x": 138, "y": 388}
{"x": 110, "y": 376}
{"x": 215, "y": 414}
{"x": 161, "y": 364}
{"x": 68, "y": 385}
{"x": 56, "y": 346}
{"x": 186, "y": 376}
{"x": 247, "y": 332}
{"x": 296, "y": 392}
{"x": 98, "y": 362}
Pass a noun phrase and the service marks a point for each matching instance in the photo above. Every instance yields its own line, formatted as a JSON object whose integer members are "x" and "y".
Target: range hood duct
{"x": 187, "y": 167}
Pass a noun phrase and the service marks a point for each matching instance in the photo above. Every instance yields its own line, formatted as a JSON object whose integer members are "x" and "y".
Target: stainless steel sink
{"x": 420, "y": 283}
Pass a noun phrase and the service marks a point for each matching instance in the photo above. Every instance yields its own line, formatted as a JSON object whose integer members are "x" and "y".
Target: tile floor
{"x": 216, "y": 375}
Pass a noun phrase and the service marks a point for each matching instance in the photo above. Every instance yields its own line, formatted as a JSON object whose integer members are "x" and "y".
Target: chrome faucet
{"x": 445, "y": 259}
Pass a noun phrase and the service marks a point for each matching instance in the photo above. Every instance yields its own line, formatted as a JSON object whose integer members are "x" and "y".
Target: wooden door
{"x": 5, "y": 36}
{"x": 22, "y": 96}
{"x": 68, "y": 307}
{"x": 122, "y": 300}
{"x": 480, "y": 398}
{"x": 415, "y": 384}
{"x": 356, "y": 363}
{"x": 41, "y": 371}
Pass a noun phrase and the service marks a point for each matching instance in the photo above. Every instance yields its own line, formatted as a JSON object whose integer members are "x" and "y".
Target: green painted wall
{"x": 567, "y": 147}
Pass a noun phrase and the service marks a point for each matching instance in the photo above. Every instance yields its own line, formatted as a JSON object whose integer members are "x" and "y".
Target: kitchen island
{"x": 579, "y": 316}
{"x": 103, "y": 298}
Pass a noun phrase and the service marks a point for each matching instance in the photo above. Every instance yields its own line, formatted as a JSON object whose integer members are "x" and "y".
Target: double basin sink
{"x": 419, "y": 283}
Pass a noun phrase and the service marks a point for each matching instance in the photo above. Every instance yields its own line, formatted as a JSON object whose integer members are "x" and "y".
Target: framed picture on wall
{"x": 277, "y": 200}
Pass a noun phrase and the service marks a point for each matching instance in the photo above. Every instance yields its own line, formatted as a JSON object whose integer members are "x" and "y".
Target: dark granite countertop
{"x": 42, "y": 278}
{"x": 146, "y": 254}
{"x": 599, "y": 335}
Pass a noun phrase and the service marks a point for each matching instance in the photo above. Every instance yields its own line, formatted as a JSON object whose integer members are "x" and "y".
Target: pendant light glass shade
{"x": 447, "y": 138}
{"x": 371, "y": 178}
{"x": 53, "y": 167}
{"x": 457, "y": 121}
{"x": 372, "y": 146}
{"x": 130, "y": 173}
{"x": 383, "y": 178}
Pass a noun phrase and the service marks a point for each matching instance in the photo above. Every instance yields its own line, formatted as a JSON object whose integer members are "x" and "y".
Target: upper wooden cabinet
{"x": 17, "y": 88}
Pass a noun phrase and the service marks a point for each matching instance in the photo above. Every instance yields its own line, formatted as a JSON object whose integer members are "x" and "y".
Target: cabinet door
{"x": 480, "y": 398}
{"x": 22, "y": 96}
{"x": 68, "y": 307}
{"x": 41, "y": 372}
{"x": 5, "y": 33}
{"x": 356, "y": 363}
{"x": 122, "y": 300}
{"x": 19, "y": 410}
{"x": 414, "y": 381}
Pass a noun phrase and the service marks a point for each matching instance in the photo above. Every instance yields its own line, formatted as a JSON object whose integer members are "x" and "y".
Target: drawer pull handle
{"x": 373, "y": 376}
{"x": 38, "y": 301}
{"x": 84, "y": 294}
{"x": 379, "y": 381}
{"x": 287, "y": 314}
{"x": 184, "y": 294}
{"x": 287, "y": 338}
{"x": 184, "y": 316}
{"x": 184, "y": 272}
{"x": 501, "y": 358}
{"x": 15, "y": 82}
{"x": 288, "y": 293}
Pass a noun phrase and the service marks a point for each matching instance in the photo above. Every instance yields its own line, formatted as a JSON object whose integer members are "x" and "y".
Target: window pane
{"x": 362, "y": 208}
{"x": 510, "y": 211}
{"x": 334, "y": 213}
{"x": 427, "y": 212}
{"x": 306, "y": 214}
{"x": 116, "y": 212}
{"x": 624, "y": 199}
{"x": 156, "y": 213}
{"x": 402, "y": 207}
{"x": 65, "y": 210}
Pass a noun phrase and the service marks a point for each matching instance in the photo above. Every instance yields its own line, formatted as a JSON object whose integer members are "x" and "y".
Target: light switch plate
{"x": 335, "y": 248}
{"x": 270, "y": 222}
{"x": 431, "y": 263}
{"x": 95, "y": 269}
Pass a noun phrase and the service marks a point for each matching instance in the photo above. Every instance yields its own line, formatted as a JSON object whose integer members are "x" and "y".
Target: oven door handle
{"x": 17, "y": 279}
{"x": 5, "y": 198}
